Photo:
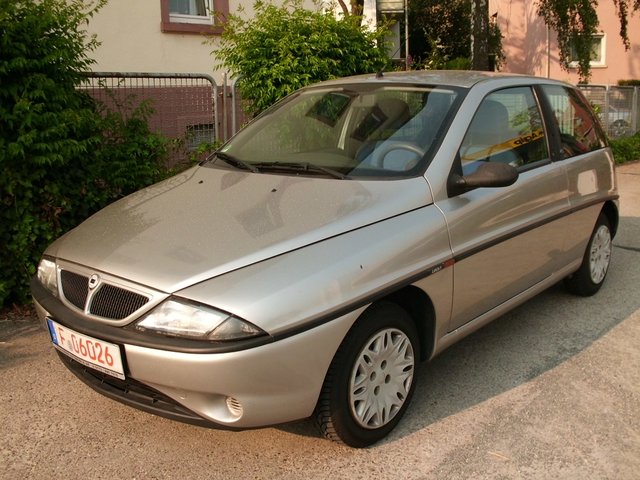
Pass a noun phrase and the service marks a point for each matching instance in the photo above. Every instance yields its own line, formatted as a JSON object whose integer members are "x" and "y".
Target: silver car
{"x": 357, "y": 228}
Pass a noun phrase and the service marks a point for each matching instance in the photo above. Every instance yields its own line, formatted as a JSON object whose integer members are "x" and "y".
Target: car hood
{"x": 209, "y": 221}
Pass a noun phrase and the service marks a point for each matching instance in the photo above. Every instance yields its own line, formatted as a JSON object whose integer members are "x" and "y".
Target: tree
{"x": 283, "y": 48}
{"x": 575, "y": 22}
{"x": 441, "y": 35}
{"x": 435, "y": 42}
{"x": 480, "y": 15}
{"x": 62, "y": 156}
{"x": 44, "y": 122}
{"x": 355, "y": 7}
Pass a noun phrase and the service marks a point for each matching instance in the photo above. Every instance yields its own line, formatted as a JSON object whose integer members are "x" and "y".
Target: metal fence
{"x": 191, "y": 108}
{"x": 618, "y": 108}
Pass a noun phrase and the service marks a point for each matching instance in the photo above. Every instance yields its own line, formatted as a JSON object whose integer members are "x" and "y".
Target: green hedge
{"x": 62, "y": 156}
{"x": 629, "y": 83}
{"x": 626, "y": 149}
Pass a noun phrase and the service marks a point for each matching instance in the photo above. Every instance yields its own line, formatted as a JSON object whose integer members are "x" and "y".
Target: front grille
{"x": 115, "y": 302}
{"x": 75, "y": 288}
{"x": 105, "y": 300}
{"x": 133, "y": 393}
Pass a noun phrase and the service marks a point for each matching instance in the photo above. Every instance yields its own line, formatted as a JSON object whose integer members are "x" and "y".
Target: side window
{"x": 507, "y": 127}
{"x": 579, "y": 129}
{"x": 193, "y": 16}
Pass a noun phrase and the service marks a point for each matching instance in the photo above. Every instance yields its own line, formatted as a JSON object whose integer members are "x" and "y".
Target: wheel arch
{"x": 421, "y": 310}
{"x": 610, "y": 210}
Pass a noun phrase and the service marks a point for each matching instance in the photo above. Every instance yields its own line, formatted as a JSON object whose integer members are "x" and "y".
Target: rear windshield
{"x": 357, "y": 131}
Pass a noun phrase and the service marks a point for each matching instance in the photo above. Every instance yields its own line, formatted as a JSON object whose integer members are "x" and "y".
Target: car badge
{"x": 94, "y": 280}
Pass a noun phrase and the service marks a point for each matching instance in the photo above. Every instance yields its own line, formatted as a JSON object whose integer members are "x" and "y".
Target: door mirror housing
{"x": 488, "y": 175}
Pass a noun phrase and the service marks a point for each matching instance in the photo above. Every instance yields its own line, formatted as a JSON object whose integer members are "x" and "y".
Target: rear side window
{"x": 506, "y": 128}
{"x": 579, "y": 129}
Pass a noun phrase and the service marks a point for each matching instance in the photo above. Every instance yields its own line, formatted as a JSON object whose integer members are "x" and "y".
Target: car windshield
{"x": 351, "y": 131}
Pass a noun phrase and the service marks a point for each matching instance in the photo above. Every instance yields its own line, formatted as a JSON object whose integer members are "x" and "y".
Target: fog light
{"x": 234, "y": 406}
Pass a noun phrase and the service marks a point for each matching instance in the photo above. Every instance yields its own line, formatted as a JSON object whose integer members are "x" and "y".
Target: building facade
{"x": 531, "y": 48}
{"x": 169, "y": 35}
{"x": 159, "y": 35}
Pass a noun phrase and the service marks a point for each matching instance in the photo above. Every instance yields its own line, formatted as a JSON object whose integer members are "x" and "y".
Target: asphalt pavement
{"x": 550, "y": 391}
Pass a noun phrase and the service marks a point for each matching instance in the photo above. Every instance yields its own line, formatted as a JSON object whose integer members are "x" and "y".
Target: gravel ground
{"x": 551, "y": 390}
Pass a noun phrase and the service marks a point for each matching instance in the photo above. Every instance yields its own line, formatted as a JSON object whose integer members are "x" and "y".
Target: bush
{"x": 629, "y": 83}
{"x": 459, "y": 63}
{"x": 62, "y": 156}
{"x": 283, "y": 48}
{"x": 127, "y": 157}
{"x": 626, "y": 149}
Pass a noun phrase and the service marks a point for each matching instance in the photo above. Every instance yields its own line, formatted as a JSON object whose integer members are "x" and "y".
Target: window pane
{"x": 506, "y": 128}
{"x": 579, "y": 131}
{"x": 188, "y": 7}
{"x": 597, "y": 51}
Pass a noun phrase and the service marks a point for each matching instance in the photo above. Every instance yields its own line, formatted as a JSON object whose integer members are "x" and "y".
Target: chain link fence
{"x": 617, "y": 107}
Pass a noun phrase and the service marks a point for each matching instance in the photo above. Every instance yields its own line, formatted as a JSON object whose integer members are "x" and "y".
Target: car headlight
{"x": 185, "y": 319}
{"x": 48, "y": 275}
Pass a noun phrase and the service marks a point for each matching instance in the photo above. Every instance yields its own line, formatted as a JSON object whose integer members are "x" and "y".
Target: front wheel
{"x": 371, "y": 379}
{"x": 588, "y": 279}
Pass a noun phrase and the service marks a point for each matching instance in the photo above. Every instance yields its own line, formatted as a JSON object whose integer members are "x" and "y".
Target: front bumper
{"x": 266, "y": 384}
{"x": 133, "y": 393}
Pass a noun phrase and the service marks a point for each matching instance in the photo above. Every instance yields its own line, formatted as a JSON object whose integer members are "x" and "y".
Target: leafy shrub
{"x": 626, "y": 149}
{"x": 439, "y": 30}
{"x": 459, "y": 63}
{"x": 283, "y": 48}
{"x": 62, "y": 156}
{"x": 127, "y": 157}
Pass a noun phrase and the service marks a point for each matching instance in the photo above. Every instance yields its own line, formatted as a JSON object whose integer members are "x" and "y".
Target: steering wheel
{"x": 381, "y": 153}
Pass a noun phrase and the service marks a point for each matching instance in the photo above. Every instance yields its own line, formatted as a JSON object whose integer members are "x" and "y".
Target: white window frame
{"x": 603, "y": 50}
{"x": 195, "y": 19}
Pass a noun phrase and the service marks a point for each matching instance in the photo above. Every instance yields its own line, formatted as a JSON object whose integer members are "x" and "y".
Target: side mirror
{"x": 488, "y": 175}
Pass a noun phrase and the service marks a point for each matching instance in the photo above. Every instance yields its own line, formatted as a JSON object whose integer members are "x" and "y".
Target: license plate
{"x": 89, "y": 351}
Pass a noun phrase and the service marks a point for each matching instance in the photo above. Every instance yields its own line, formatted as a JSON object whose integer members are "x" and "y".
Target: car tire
{"x": 588, "y": 279}
{"x": 371, "y": 379}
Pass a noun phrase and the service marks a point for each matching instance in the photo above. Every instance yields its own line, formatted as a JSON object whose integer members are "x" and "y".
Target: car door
{"x": 505, "y": 240}
{"x": 589, "y": 167}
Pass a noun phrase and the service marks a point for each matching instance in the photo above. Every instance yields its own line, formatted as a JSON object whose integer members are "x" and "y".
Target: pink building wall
{"x": 530, "y": 50}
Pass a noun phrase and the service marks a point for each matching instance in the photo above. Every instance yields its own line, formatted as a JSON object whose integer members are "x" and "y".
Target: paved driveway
{"x": 551, "y": 390}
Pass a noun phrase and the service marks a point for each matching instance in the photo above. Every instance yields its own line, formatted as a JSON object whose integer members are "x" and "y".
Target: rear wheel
{"x": 595, "y": 264}
{"x": 371, "y": 379}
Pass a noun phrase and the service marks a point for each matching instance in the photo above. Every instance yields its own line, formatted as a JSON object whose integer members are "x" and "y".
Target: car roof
{"x": 454, "y": 78}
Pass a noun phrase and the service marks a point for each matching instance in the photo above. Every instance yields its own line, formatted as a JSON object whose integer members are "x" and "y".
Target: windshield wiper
{"x": 236, "y": 162}
{"x": 301, "y": 167}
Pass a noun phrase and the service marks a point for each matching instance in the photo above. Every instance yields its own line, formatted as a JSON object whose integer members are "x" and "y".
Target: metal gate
{"x": 184, "y": 106}
{"x": 617, "y": 107}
